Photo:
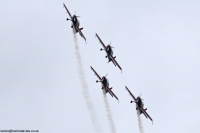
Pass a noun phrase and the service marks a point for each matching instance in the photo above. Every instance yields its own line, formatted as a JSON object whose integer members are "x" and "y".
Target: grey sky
{"x": 156, "y": 44}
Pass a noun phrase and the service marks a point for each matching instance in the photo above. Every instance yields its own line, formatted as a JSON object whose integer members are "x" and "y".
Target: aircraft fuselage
{"x": 109, "y": 52}
{"x": 105, "y": 83}
{"x": 75, "y": 23}
{"x": 139, "y": 104}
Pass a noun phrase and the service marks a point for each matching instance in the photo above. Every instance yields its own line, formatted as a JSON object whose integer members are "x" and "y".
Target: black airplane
{"x": 109, "y": 52}
{"x": 139, "y": 105}
{"x": 105, "y": 84}
{"x": 75, "y": 23}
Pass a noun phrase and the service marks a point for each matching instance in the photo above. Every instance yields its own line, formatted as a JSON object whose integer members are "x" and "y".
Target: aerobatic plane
{"x": 105, "y": 84}
{"x": 139, "y": 105}
{"x": 75, "y": 23}
{"x": 109, "y": 52}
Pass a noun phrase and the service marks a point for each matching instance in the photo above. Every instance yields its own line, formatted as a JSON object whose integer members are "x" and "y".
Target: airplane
{"x": 75, "y": 23}
{"x": 105, "y": 84}
{"x": 139, "y": 105}
{"x": 109, "y": 52}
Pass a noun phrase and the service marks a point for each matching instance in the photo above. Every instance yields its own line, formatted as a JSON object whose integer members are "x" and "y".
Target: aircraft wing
{"x": 130, "y": 93}
{"x": 67, "y": 10}
{"x": 110, "y": 91}
{"x": 114, "y": 61}
{"x": 81, "y": 34}
{"x": 145, "y": 113}
{"x": 101, "y": 41}
{"x": 96, "y": 73}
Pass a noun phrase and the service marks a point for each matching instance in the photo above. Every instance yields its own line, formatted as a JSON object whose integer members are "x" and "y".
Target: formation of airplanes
{"x": 109, "y": 54}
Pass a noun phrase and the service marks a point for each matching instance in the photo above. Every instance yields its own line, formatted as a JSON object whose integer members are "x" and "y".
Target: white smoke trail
{"x": 140, "y": 122}
{"x": 108, "y": 112}
{"x": 85, "y": 86}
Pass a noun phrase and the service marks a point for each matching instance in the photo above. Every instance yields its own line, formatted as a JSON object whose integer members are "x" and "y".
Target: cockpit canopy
{"x": 74, "y": 18}
{"x": 109, "y": 49}
{"x": 139, "y": 100}
{"x": 105, "y": 80}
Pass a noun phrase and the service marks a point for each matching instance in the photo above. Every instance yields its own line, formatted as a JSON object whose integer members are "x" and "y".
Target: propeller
{"x": 110, "y": 45}
{"x": 75, "y": 14}
{"x": 106, "y": 75}
{"x": 141, "y": 96}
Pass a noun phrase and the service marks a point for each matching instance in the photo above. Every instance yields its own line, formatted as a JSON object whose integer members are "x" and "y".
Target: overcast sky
{"x": 157, "y": 44}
